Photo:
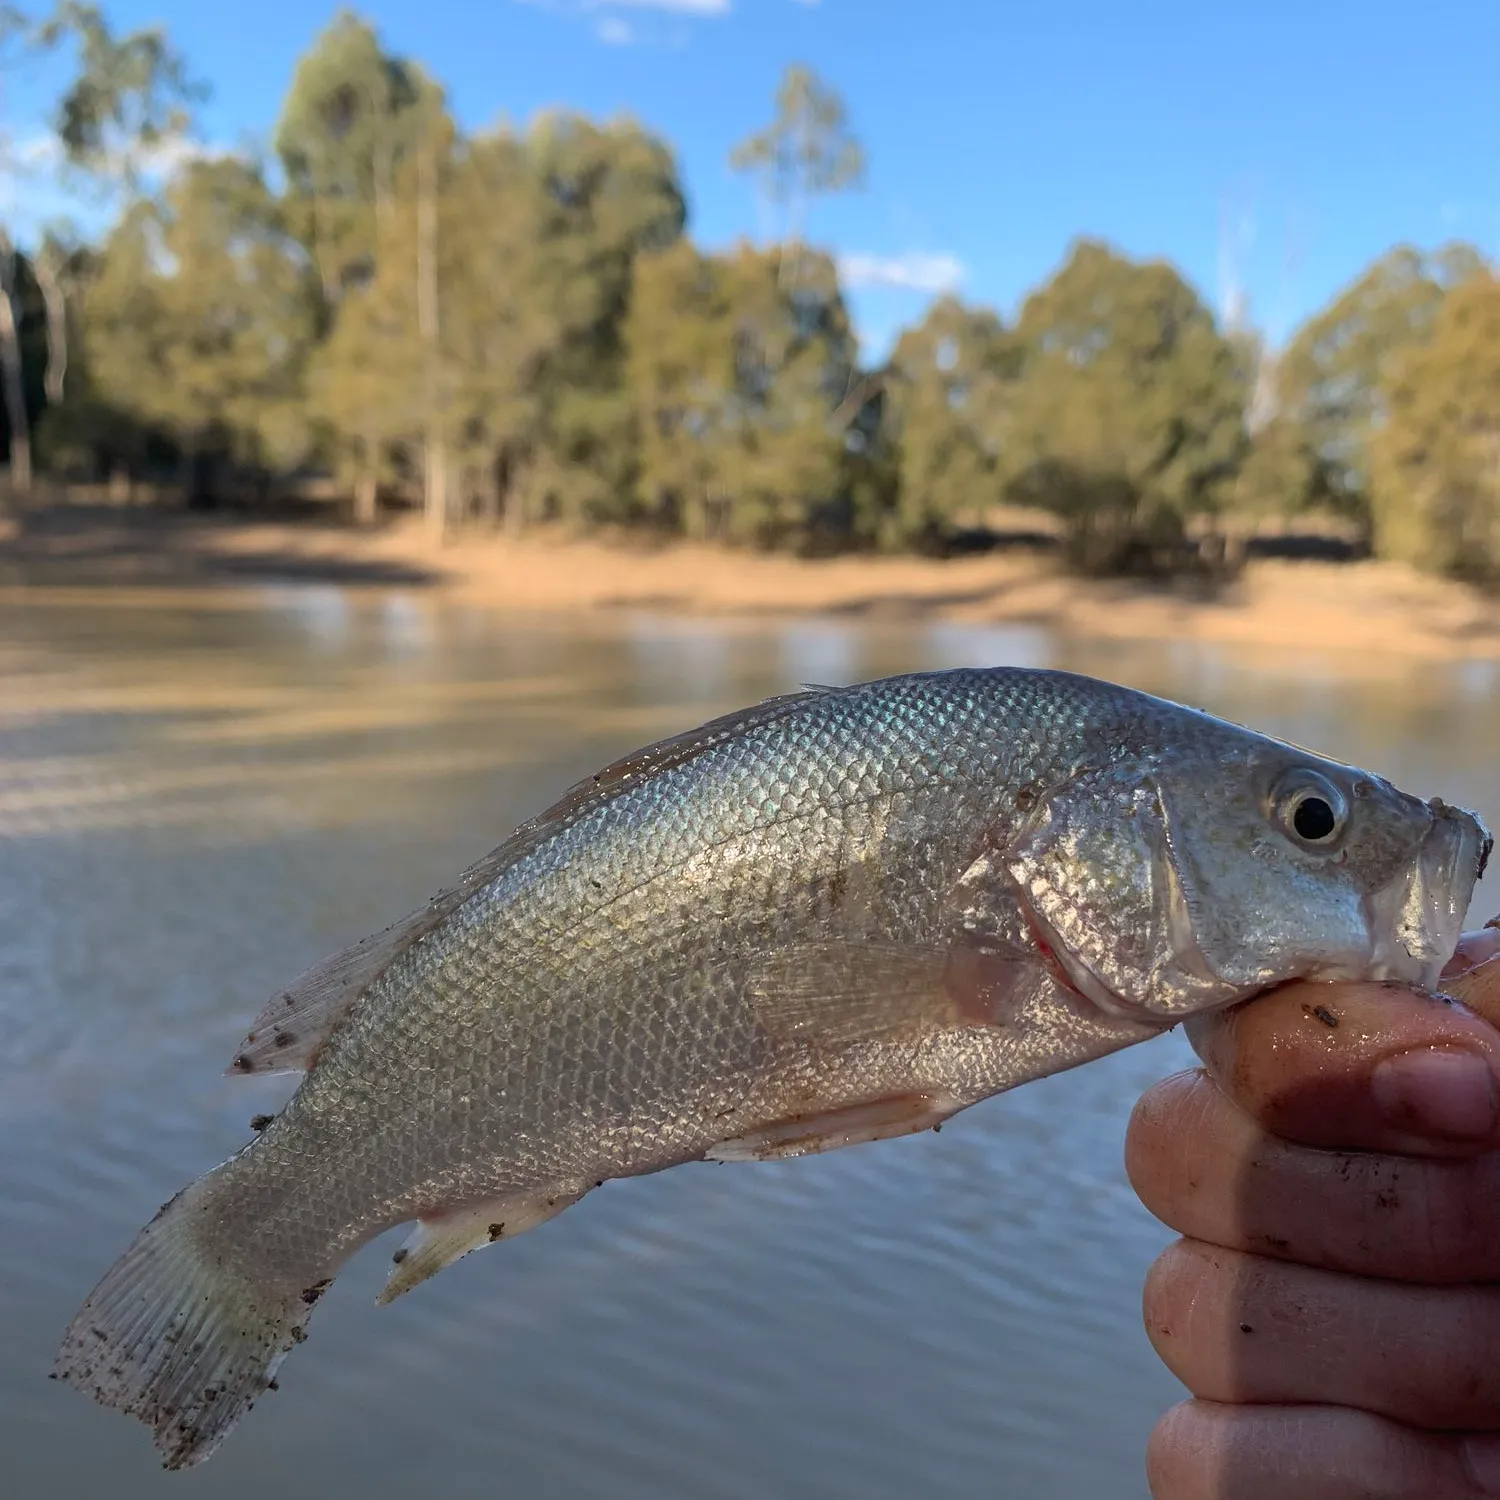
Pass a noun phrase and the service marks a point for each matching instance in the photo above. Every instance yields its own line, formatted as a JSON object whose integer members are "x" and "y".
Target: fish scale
{"x": 833, "y": 918}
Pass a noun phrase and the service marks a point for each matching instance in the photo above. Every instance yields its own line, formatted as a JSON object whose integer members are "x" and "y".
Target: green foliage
{"x": 738, "y": 379}
{"x": 806, "y": 151}
{"x": 949, "y": 390}
{"x": 1129, "y": 416}
{"x": 510, "y": 325}
{"x": 1331, "y": 378}
{"x": 127, "y": 96}
{"x": 351, "y": 119}
{"x": 1281, "y": 474}
{"x": 31, "y": 328}
{"x": 1435, "y": 463}
{"x": 117, "y": 400}
{"x": 201, "y": 317}
{"x": 536, "y": 237}
{"x": 609, "y": 194}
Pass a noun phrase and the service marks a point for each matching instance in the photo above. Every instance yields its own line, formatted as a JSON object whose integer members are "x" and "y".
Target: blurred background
{"x": 406, "y": 412}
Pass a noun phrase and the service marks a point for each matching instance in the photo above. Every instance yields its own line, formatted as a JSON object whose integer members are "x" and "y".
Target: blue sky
{"x": 1321, "y": 133}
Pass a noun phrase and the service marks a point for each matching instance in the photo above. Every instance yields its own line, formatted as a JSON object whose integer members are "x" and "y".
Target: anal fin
{"x": 440, "y": 1239}
{"x": 854, "y": 1125}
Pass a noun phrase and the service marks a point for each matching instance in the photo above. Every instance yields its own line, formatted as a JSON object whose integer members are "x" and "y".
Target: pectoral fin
{"x": 840, "y": 993}
{"x": 440, "y": 1239}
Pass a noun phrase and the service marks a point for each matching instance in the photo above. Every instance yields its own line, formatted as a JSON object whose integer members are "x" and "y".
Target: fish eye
{"x": 1311, "y": 809}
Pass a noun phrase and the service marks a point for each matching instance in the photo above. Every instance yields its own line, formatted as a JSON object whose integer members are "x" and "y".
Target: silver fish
{"x": 839, "y": 916}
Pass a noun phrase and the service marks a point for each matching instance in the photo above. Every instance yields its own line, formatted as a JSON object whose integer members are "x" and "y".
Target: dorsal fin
{"x": 295, "y": 1023}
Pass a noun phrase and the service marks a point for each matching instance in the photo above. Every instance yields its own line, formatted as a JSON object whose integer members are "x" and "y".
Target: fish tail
{"x": 179, "y": 1335}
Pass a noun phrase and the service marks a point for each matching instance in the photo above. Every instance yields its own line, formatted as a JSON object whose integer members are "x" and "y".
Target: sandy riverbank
{"x": 1320, "y": 606}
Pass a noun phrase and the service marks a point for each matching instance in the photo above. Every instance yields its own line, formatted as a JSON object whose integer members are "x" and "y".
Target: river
{"x": 202, "y": 793}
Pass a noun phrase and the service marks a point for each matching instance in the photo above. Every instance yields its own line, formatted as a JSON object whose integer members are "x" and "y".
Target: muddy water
{"x": 200, "y": 794}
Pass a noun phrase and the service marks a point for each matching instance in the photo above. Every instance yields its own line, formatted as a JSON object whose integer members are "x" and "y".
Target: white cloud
{"x": 914, "y": 271}
{"x": 614, "y": 32}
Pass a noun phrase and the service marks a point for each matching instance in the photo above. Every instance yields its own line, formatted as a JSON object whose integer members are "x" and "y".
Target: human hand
{"x": 1334, "y": 1172}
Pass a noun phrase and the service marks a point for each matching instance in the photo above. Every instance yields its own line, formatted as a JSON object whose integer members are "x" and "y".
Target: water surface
{"x": 200, "y": 796}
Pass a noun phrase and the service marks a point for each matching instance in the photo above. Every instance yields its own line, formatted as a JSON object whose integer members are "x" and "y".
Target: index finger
{"x": 1369, "y": 1066}
{"x": 1473, "y": 973}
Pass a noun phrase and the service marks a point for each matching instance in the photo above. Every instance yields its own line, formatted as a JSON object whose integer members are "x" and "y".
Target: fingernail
{"x": 1440, "y": 1092}
{"x": 1482, "y": 1457}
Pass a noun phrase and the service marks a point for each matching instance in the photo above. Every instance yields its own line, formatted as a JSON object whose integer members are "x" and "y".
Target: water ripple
{"x": 195, "y": 802}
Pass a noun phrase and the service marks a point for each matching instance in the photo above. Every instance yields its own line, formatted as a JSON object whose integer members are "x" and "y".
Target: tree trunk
{"x": 191, "y": 478}
{"x": 695, "y": 504}
{"x": 492, "y": 492}
{"x": 381, "y": 112}
{"x": 435, "y": 485}
{"x": 516, "y": 493}
{"x": 383, "y": 175}
{"x": 366, "y": 498}
{"x": 56, "y": 303}
{"x": 435, "y": 450}
{"x": 320, "y": 252}
{"x": 10, "y": 374}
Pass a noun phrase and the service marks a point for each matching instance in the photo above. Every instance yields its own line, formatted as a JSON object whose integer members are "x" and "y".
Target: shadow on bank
{"x": 158, "y": 546}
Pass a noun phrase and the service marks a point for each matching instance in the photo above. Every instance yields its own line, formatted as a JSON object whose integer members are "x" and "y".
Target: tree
{"x": 511, "y": 302}
{"x": 352, "y": 116}
{"x": 1129, "y": 416}
{"x": 75, "y": 430}
{"x": 1332, "y": 377}
{"x": 14, "y": 27}
{"x": 608, "y": 195}
{"x": 364, "y": 139}
{"x": 201, "y": 320}
{"x": 681, "y": 379}
{"x": 360, "y": 386}
{"x": 129, "y": 96}
{"x": 1281, "y": 473}
{"x": 948, "y": 391}
{"x": 535, "y": 238}
{"x": 736, "y": 380}
{"x": 119, "y": 396}
{"x": 377, "y": 380}
{"x": 23, "y": 355}
{"x": 1435, "y": 460}
{"x": 57, "y": 264}
{"x": 805, "y": 152}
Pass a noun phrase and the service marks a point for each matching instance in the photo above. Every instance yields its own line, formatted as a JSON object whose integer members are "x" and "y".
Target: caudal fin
{"x": 174, "y": 1337}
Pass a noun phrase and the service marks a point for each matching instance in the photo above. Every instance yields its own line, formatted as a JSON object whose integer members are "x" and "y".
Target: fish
{"x": 839, "y": 916}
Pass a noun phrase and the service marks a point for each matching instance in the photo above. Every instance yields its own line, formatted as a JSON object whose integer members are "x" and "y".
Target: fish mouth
{"x": 1415, "y": 922}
